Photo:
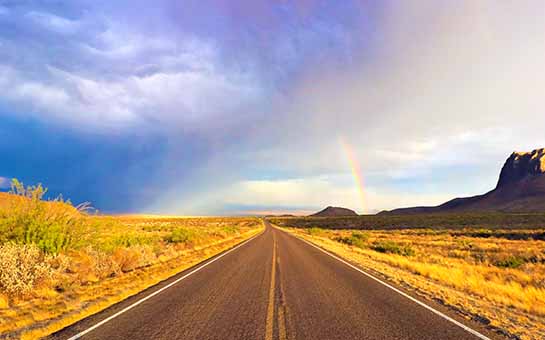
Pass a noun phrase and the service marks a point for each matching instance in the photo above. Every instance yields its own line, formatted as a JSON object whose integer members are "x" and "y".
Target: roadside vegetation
{"x": 484, "y": 220}
{"x": 59, "y": 263}
{"x": 496, "y": 275}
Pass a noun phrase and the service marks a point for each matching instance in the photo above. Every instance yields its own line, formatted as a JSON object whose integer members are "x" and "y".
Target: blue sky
{"x": 241, "y": 106}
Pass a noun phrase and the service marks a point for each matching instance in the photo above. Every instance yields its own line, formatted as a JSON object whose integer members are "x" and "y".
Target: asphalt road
{"x": 275, "y": 286}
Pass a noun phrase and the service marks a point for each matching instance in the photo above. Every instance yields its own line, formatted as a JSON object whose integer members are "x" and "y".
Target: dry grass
{"x": 58, "y": 265}
{"x": 497, "y": 275}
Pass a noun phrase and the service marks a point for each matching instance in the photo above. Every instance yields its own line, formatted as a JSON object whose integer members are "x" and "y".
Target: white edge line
{"x": 79, "y": 335}
{"x": 444, "y": 316}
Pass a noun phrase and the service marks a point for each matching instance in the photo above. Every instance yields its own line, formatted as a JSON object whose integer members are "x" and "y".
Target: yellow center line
{"x": 270, "y": 309}
{"x": 281, "y": 309}
{"x": 281, "y": 323}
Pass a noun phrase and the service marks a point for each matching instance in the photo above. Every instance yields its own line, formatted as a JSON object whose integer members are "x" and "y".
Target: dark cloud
{"x": 116, "y": 102}
{"x": 115, "y": 173}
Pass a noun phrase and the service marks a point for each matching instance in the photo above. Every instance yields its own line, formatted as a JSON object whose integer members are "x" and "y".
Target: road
{"x": 274, "y": 286}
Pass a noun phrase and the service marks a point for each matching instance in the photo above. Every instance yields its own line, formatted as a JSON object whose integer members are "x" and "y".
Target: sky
{"x": 250, "y": 107}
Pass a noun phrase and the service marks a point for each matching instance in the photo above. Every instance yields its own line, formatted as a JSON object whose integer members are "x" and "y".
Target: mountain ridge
{"x": 520, "y": 188}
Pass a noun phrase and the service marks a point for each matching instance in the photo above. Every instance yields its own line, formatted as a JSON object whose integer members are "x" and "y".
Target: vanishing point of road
{"x": 274, "y": 286}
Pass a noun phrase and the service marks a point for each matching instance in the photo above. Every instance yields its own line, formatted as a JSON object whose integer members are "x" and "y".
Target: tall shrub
{"x": 52, "y": 226}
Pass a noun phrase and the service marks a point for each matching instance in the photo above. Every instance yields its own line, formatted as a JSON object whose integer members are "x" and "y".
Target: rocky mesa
{"x": 520, "y": 188}
{"x": 521, "y": 165}
{"x": 334, "y": 211}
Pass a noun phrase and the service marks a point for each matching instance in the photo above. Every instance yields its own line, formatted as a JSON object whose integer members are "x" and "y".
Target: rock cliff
{"x": 521, "y": 188}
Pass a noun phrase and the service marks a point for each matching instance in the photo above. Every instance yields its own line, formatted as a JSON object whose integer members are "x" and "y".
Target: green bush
{"x": 314, "y": 231}
{"x": 392, "y": 248}
{"x": 180, "y": 235}
{"x": 124, "y": 240}
{"x": 357, "y": 239}
{"x": 52, "y": 226}
{"x": 511, "y": 262}
{"x": 360, "y": 236}
{"x": 230, "y": 229}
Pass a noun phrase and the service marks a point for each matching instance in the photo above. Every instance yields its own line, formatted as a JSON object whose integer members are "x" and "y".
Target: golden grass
{"x": 4, "y": 301}
{"x": 7, "y": 200}
{"x": 125, "y": 256}
{"x": 498, "y": 279}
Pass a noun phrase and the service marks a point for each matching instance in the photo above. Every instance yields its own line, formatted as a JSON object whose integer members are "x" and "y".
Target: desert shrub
{"x": 148, "y": 255}
{"x": 226, "y": 231}
{"x": 314, "y": 231}
{"x": 465, "y": 244}
{"x": 360, "y": 236}
{"x": 127, "y": 240}
{"x": 180, "y": 235}
{"x": 51, "y": 226}
{"x": 511, "y": 262}
{"x": 126, "y": 259}
{"x": 22, "y": 267}
{"x": 84, "y": 266}
{"x": 230, "y": 229}
{"x": 357, "y": 239}
{"x": 60, "y": 262}
{"x": 134, "y": 257}
{"x": 103, "y": 263}
{"x": 152, "y": 227}
{"x": 392, "y": 248}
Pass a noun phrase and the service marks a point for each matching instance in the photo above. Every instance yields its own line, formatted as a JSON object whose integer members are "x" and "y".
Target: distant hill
{"x": 521, "y": 188}
{"x": 335, "y": 211}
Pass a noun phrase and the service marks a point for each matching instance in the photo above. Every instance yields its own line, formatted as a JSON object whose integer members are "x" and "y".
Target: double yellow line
{"x": 269, "y": 330}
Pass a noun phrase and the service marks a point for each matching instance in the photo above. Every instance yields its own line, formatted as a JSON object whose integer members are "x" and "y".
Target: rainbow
{"x": 355, "y": 169}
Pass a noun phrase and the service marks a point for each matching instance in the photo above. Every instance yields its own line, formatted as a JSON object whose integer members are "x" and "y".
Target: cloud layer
{"x": 449, "y": 92}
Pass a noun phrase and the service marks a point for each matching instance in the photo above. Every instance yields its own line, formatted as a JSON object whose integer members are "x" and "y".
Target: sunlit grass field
{"x": 59, "y": 264}
{"x": 491, "y": 272}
